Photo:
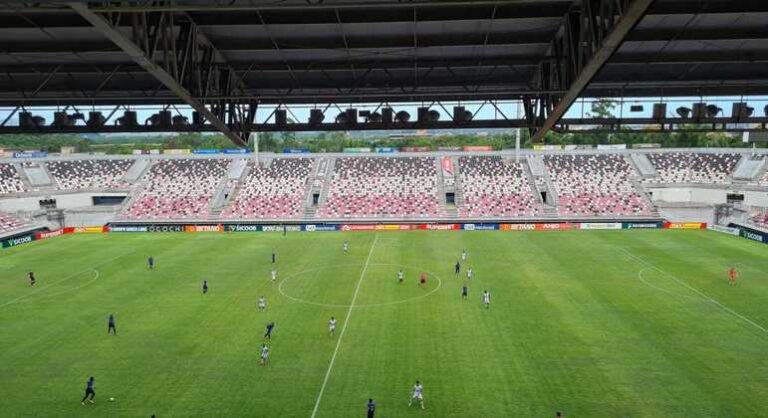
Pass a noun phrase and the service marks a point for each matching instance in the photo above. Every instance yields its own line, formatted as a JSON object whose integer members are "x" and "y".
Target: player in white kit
{"x": 487, "y": 299}
{"x": 417, "y": 394}
{"x": 345, "y": 247}
{"x": 464, "y": 255}
{"x": 274, "y": 275}
{"x": 262, "y": 304}
{"x": 264, "y": 355}
{"x": 469, "y": 273}
{"x": 332, "y": 326}
{"x": 400, "y": 276}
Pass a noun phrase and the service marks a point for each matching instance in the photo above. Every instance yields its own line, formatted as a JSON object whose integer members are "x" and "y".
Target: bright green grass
{"x": 578, "y": 324}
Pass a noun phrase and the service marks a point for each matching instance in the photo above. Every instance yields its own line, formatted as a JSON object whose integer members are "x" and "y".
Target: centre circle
{"x": 372, "y": 272}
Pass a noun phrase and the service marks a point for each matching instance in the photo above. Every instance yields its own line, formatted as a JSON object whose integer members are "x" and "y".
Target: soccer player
{"x": 732, "y": 276}
{"x": 469, "y": 273}
{"x": 89, "y": 392}
{"x": 111, "y": 324}
{"x": 32, "y": 280}
{"x": 464, "y": 255}
{"x": 262, "y": 304}
{"x": 558, "y": 415}
{"x": 205, "y": 286}
{"x": 423, "y": 280}
{"x": 332, "y": 326}
{"x": 464, "y": 291}
{"x": 417, "y": 394}
{"x": 400, "y": 276}
{"x": 345, "y": 247}
{"x": 274, "y": 256}
{"x": 371, "y": 407}
{"x": 487, "y": 299}
{"x": 457, "y": 268}
{"x": 274, "y": 275}
{"x": 151, "y": 262}
{"x": 268, "y": 334}
{"x": 264, "y": 354}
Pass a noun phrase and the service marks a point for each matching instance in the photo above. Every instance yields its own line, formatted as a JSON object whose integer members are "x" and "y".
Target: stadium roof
{"x": 324, "y": 51}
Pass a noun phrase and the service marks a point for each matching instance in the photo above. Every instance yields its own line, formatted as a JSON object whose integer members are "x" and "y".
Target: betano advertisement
{"x": 685, "y": 225}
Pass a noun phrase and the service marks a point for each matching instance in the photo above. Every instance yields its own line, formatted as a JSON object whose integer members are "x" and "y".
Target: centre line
{"x": 343, "y": 328}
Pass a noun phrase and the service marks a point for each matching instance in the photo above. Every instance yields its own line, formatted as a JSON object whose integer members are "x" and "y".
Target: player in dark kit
{"x": 151, "y": 263}
{"x": 274, "y": 257}
{"x": 205, "y": 286}
{"x": 111, "y": 325}
{"x": 32, "y": 280}
{"x": 464, "y": 291}
{"x": 89, "y": 392}
{"x": 371, "y": 408}
{"x": 268, "y": 334}
{"x": 457, "y": 268}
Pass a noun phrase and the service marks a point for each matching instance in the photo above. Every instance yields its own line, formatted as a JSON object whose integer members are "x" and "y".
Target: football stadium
{"x": 384, "y": 208}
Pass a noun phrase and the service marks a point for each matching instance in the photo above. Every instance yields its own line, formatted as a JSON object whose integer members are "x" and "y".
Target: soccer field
{"x": 592, "y": 323}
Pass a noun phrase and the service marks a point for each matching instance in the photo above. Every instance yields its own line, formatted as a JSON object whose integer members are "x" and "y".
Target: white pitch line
{"x": 344, "y": 328}
{"x": 12, "y": 301}
{"x": 700, "y": 293}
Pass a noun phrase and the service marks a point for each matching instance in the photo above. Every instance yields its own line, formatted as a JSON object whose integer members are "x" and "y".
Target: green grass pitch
{"x": 591, "y": 323}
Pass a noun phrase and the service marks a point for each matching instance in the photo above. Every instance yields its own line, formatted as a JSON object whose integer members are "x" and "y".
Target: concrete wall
{"x": 689, "y": 195}
{"x": 702, "y": 214}
{"x": 706, "y": 196}
{"x": 63, "y": 201}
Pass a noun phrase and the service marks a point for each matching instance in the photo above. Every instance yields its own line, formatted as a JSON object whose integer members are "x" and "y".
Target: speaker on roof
{"x": 699, "y": 110}
{"x": 387, "y": 115}
{"x": 128, "y": 119}
{"x": 179, "y": 121}
{"x": 741, "y": 111}
{"x": 316, "y": 117}
{"x": 165, "y": 118}
{"x": 281, "y": 117}
{"x": 95, "y": 120}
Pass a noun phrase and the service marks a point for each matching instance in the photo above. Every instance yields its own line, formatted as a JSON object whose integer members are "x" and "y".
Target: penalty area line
{"x": 697, "y": 291}
{"x": 344, "y": 328}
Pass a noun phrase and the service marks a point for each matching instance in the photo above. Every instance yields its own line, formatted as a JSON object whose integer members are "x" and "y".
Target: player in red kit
{"x": 423, "y": 280}
{"x": 732, "y": 275}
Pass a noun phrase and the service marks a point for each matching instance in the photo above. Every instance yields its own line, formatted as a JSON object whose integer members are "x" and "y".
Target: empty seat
{"x": 10, "y": 181}
{"x": 396, "y": 187}
{"x": 689, "y": 167}
{"x": 276, "y": 191}
{"x": 89, "y": 174}
{"x": 492, "y": 187}
{"x": 178, "y": 189}
{"x": 595, "y": 186}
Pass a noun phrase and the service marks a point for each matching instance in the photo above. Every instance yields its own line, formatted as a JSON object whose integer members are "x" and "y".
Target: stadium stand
{"x": 10, "y": 182}
{"x": 89, "y": 174}
{"x": 595, "y": 185}
{"x": 688, "y": 167}
{"x": 9, "y": 223}
{"x": 178, "y": 189}
{"x": 394, "y": 187}
{"x": 763, "y": 181}
{"x": 276, "y": 191}
{"x": 495, "y": 188}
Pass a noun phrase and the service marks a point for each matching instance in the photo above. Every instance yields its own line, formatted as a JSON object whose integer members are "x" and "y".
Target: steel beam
{"x": 586, "y": 42}
{"x": 141, "y": 57}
